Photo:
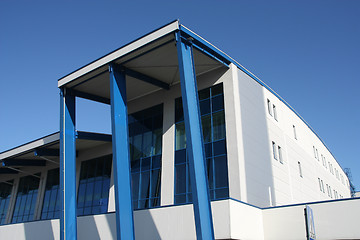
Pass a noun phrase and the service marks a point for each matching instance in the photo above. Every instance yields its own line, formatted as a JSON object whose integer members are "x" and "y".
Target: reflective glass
{"x": 146, "y": 149}
{"x": 214, "y": 136}
{"x": 26, "y": 199}
{"x": 94, "y": 185}
{"x": 5, "y": 194}
{"x": 51, "y": 202}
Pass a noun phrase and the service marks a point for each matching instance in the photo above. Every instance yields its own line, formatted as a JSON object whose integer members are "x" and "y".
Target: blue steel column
{"x": 194, "y": 141}
{"x": 68, "y": 229}
{"x": 121, "y": 159}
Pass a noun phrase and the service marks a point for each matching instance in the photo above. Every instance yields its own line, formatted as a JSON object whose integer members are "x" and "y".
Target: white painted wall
{"x": 333, "y": 220}
{"x": 176, "y": 222}
{"x": 267, "y": 181}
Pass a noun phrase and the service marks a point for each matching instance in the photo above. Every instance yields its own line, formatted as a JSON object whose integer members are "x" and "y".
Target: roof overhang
{"x": 150, "y": 64}
{"x": 45, "y": 151}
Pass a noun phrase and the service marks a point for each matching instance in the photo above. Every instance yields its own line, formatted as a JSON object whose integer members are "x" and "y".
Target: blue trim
{"x": 23, "y": 162}
{"x": 227, "y": 59}
{"x": 89, "y": 96}
{"x": 145, "y": 78}
{"x": 68, "y": 222}
{"x": 121, "y": 158}
{"x": 195, "y": 146}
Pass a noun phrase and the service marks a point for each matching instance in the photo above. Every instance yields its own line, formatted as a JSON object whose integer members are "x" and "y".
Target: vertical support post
{"x": 121, "y": 158}
{"x": 194, "y": 139}
{"x": 68, "y": 225}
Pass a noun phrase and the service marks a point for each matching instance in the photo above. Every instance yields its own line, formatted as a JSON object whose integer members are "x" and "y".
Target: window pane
{"x": 5, "y": 194}
{"x": 26, "y": 199}
{"x": 206, "y": 127}
{"x": 93, "y": 190}
{"x": 214, "y": 134}
{"x": 218, "y": 125}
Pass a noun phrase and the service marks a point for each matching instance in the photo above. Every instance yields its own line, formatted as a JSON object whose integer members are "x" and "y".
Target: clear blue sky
{"x": 307, "y": 51}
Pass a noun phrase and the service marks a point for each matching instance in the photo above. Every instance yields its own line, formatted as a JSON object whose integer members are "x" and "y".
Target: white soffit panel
{"x": 121, "y": 52}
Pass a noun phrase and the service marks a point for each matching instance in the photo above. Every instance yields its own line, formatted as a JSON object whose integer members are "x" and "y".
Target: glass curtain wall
{"x": 26, "y": 199}
{"x": 94, "y": 185}
{"x": 211, "y": 102}
{"x": 145, "y": 138}
{"x": 5, "y": 194}
{"x": 51, "y": 204}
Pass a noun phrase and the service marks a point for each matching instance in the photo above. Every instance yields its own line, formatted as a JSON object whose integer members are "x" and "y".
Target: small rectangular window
{"x": 294, "y": 128}
{"x": 274, "y": 150}
{"x": 269, "y": 107}
{"x": 300, "y": 171}
{"x": 275, "y": 113}
{"x": 327, "y": 188}
{"x": 320, "y": 184}
{"x": 314, "y": 151}
{"x": 280, "y": 155}
{"x": 330, "y": 193}
{"x": 317, "y": 154}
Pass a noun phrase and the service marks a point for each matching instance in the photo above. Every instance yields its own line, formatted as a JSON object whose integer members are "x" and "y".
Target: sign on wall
{"x": 310, "y": 226}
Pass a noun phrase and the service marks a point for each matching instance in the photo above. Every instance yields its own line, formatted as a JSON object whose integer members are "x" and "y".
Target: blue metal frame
{"x": 195, "y": 146}
{"x": 121, "y": 156}
{"x": 145, "y": 78}
{"x": 68, "y": 224}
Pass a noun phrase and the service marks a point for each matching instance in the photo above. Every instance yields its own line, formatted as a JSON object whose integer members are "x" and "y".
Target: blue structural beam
{"x": 89, "y": 96}
{"x": 68, "y": 229}
{"x": 121, "y": 159}
{"x": 194, "y": 141}
{"x": 146, "y": 78}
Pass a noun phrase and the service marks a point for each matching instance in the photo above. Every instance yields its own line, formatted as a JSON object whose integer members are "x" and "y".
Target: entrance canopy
{"x": 150, "y": 64}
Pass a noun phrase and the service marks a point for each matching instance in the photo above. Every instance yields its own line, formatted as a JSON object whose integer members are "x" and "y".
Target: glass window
{"x": 211, "y": 102}
{"x": 300, "y": 170}
{"x": 275, "y": 113}
{"x": 294, "y": 129}
{"x": 51, "y": 204}
{"x": 274, "y": 150}
{"x": 280, "y": 155}
{"x": 26, "y": 199}
{"x": 93, "y": 192}
{"x": 320, "y": 184}
{"x": 269, "y": 107}
{"x": 145, "y": 138}
{"x": 5, "y": 194}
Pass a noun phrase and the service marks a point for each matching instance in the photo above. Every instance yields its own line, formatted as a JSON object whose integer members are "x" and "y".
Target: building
{"x": 262, "y": 162}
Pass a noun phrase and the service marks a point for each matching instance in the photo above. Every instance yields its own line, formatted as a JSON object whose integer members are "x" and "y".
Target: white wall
{"x": 333, "y": 220}
{"x": 175, "y": 222}
{"x": 268, "y": 182}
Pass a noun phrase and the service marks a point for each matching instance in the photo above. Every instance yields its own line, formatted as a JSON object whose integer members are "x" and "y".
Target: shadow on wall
{"x": 104, "y": 226}
{"x": 47, "y": 229}
{"x": 256, "y": 143}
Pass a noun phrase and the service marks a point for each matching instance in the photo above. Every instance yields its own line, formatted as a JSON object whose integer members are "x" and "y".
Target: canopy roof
{"x": 150, "y": 64}
{"x": 44, "y": 151}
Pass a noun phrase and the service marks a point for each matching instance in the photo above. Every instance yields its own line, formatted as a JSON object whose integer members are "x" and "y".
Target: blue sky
{"x": 307, "y": 51}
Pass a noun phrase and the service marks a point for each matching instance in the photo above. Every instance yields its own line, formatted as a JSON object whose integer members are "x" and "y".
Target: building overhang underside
{"x": 150, "y": 64}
